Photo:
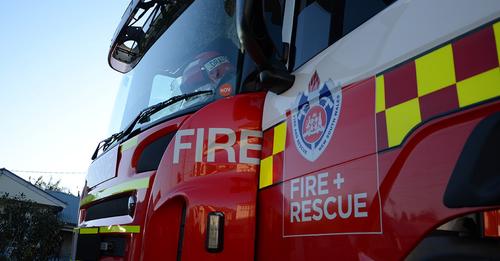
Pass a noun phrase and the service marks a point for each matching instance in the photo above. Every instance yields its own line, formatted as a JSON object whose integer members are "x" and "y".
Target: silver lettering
{"x": 322, "y": 183}
{"x": 294, "y": 211}
{"x": 358, "y": 205}
{"x": 213, "y": 145}
{"x": 178, "y": 145}
{"x": 294, "y": 187}
{"x": 318, "y": 211}
{"x": 245, "y": 146}
{"x": 325, "y": 208}
{"x": 305, "y": 209}
{"x": 347, "y": 213}
{"x": 310, "y": 185}
{"x": 200, "y": 133}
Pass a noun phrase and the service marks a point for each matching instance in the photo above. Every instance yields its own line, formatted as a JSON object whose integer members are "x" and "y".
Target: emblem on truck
{"x": 316, "y": 115}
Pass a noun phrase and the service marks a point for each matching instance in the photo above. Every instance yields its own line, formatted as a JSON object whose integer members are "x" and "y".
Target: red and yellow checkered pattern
{"x": 458, "y": 74}
{"x": 271, "y": 164}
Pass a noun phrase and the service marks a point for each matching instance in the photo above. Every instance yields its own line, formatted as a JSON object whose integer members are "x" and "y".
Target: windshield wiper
{"x": 143, "y": 117}
{"x": 104, "y": 144}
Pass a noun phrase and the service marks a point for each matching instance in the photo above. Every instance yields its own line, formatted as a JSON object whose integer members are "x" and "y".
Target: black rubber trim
{"x": 181, "y": 234}
{"x": 151, "y": 155}
{"x": 475, "y": 181}
{"x": 109, "y": 208}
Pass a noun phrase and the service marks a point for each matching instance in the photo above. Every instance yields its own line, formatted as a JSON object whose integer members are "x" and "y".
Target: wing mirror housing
{"x": 130, "y": 42}
{"x": 272, "y": 74}
{"x": 121, "y": 56}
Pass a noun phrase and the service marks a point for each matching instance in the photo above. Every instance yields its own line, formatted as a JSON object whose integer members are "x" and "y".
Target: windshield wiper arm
{"x": 143, "y": 117}
{"x": 104, "y": 144}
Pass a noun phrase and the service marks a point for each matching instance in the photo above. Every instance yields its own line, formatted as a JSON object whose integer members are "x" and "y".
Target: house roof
{"x": 26, "y": 187}
{"x": 69, "y": 215}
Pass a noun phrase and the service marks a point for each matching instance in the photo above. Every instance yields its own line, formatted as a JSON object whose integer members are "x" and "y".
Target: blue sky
{"x": 56, "y": 88}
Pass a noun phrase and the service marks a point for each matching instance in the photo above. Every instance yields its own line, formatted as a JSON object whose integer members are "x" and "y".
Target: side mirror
{"x": 273, "y": 75}
{"x": 130, "y": 41}
{"x": 128, "y": 46}
{"x": 123, "y": 50}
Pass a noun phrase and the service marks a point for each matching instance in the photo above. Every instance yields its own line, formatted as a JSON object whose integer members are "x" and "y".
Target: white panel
{"x": 403, "y": 30}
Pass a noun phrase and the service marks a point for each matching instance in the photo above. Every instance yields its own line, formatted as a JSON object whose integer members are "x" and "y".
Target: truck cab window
{"x": 357, "y": 12}
{"x": 319, "y": 24}
{"x": 273, "y": 19}
{"x": 312, "y": 33}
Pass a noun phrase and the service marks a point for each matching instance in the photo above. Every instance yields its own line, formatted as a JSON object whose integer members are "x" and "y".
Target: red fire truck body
{"x": 383, "y": 145}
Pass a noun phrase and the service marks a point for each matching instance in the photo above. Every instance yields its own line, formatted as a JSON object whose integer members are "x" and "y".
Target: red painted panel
{"x": 438, "y": 102}
{"x": 278, "y": 167}
{"x": 400, "y": 84}
{"x": 475, "y": 54}
{"x": 382, "y": 140}
{"x": 163, "y": 230}
{"x": 267, "y": 143}
{"x": 207, "y": 176}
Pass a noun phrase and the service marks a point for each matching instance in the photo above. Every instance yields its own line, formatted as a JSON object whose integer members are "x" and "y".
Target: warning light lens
{"x": 215, "y": 232}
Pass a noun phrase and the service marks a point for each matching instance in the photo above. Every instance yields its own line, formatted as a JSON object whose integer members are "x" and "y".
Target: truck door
{"x": 357, "y": 154}
{"x": 203, "y": 201}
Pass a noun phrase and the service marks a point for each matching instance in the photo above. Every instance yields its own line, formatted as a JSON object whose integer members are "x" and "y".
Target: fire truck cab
{"x": 300, "y": 130}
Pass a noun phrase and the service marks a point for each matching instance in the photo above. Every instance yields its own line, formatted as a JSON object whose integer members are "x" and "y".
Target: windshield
{"x": 198, "y": 52}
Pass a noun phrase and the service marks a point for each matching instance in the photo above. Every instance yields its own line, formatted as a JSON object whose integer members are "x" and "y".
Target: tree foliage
{"x": 28, "y": 231}
{"x": 48, "y": 185}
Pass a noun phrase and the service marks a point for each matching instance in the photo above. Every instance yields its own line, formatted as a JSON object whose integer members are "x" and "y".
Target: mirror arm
{"x": 277, "y": 80}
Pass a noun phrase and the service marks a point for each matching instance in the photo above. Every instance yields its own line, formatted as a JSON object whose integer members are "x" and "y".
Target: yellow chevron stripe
{"x": 120, "y": 188}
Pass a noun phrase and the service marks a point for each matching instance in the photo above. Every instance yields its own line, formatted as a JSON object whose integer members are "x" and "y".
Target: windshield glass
{"x": 199, "y": 51}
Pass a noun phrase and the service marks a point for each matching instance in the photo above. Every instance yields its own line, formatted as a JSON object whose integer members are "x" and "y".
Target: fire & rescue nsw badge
{"x": 316, "y": 115}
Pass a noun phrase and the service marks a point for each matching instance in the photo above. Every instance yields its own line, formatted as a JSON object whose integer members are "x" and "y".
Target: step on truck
{"x": 299, "y": 130}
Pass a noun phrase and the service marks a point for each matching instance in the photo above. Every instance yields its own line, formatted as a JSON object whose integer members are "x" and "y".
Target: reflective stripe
{"x": 120, "y": 229}
{"x": 401, "y": 119}
{"x": 435, "y": 70}
{"x": 279, "y": 138}
{"x": 380, "y": 94}
{"x": 108, "y": 229}
{"x": 130, "y": 143}
{"x": 461, "y": 73}
{"x": 120, "y": 188}
{"x": 88, "y": 230}
{"x": 478, "y": 88}
{"x": 271, "y": 163}
{"x": 266, "y": 172}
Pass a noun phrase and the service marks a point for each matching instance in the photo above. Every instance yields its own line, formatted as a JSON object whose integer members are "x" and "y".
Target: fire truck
{"x": 300, "y": 130}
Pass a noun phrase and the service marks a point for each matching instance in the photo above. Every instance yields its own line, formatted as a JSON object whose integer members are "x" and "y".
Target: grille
{"x": 108, "y": 208}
